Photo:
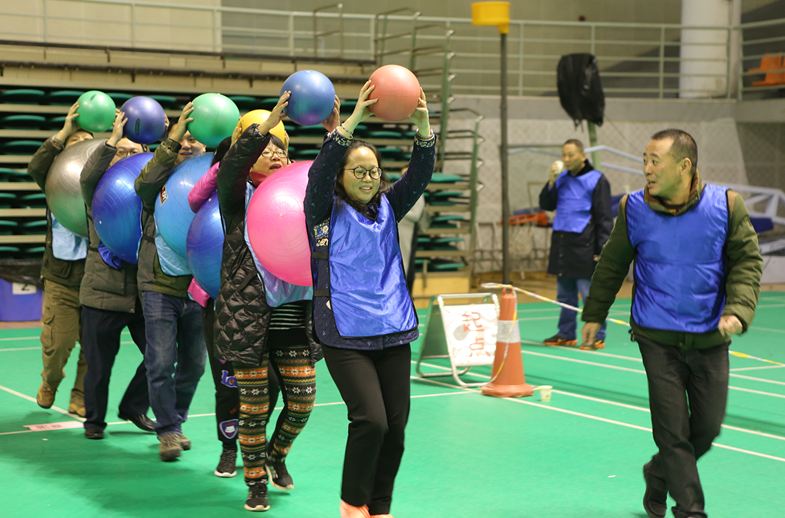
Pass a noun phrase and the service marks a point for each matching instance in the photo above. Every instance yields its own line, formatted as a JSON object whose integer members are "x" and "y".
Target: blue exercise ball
{"x": 313, "y": 95}
{"x": 173, "y": 215}
{"x": 117, "y": 209}
{"x": 146, "y": 120}
{"x": 205, "y": 246}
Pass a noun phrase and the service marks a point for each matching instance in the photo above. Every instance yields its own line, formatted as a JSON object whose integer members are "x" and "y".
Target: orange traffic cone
{"x": 508, "y": 379}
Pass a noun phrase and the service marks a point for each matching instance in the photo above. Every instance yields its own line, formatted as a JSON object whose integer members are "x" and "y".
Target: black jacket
{"x": 242, "y": 315}
{"x": 572, "y": 254}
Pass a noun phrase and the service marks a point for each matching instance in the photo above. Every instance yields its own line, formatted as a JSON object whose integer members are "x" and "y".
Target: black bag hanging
{"x": 580, "y": 88}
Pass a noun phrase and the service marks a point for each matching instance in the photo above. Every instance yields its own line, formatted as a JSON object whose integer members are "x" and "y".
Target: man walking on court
{"x": 581, "y": 196}
{"x": 697, "y": 280}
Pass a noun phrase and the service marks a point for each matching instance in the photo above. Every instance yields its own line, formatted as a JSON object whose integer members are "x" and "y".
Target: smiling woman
{"x": 363, "y": 314}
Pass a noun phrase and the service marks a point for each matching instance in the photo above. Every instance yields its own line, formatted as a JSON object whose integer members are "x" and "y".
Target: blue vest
{"x": 573, "y": 209}
{"x": 172, "y": 263}
{"x": 679, "y": 263}
{"x": 368, "y": 294}
{"x": 277, "y": 291}
{"x": 66, "y": 245}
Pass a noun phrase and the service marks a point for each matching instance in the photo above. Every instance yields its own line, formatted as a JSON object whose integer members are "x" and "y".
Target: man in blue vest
{"x": 581, "y": 196}
{"x": 697, "y": 279}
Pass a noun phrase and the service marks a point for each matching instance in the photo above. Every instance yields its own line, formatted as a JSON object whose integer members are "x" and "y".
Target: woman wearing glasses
{"x": 260, "y": 320}
{"x": 363, "y": 314}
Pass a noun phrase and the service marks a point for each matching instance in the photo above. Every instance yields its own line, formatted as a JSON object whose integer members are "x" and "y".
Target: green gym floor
{"x": 467, "y": 455}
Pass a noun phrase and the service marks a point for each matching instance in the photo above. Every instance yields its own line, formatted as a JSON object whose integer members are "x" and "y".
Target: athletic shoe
{"x": 560, "y": 340}
{"x": 257, "y": 498}
{"x": 170, "y": 447}
{"x": 46, "y": 395}
{"x": 279, "y": 475}
{"x": 596, "y": 346}
{"x": 185, "y": 442}
{"x": 227, "y": 464}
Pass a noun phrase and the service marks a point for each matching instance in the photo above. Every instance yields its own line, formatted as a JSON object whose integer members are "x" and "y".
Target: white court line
{"x": 638, "y": 360}
{"x": 12, "y": 349}
{"x": 32, "y": 399}
{"x": 622, "y": 405}
{"x": 738, "y": 369}
{"x": 115, "y": 423}
{"x": 12, "y": 338}
{"x": 638, "y": 371}
{"x": 766, "y": 330}
{"x": 604, "y": 420}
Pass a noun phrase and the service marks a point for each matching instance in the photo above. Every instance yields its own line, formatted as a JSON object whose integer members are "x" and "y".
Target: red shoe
{"x": 596, "y": 346}
{"x": 560, "y": 340}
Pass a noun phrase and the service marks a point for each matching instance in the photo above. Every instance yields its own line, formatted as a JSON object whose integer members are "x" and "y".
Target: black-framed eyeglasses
{"x": 359, "y": 172}
{"x": 269, "y": 153}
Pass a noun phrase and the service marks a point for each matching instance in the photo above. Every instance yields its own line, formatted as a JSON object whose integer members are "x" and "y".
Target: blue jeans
{"x": 175, "y": 356}
{"x": 567, "y": 290}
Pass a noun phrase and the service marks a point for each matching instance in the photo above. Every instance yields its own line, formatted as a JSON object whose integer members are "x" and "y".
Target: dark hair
{"x": 575, "y": 142}
{"x": 279, "y": 143}
{"x": 384, "y": 183}
{"x": 221, "y": 149}
{"x": 683, "y": 145}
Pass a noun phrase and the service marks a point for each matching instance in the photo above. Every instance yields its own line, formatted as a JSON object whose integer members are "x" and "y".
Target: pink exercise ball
{"x": 397, "y": 89}
{"x": 276, "y": 224}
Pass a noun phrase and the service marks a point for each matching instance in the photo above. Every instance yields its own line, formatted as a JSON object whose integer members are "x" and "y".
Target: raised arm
{"x": 157, "y": 171}
{"x": 99, "y": 160}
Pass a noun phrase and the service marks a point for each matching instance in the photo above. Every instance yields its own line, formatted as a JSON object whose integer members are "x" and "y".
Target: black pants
{"x": 688, "y": 392}
{"x": 100, "y": 339}
{"x": 375, "y": 387}
{"x": 227, "y": 398}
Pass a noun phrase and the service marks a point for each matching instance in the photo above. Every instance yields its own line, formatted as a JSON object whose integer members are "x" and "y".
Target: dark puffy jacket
{"x": 242, "y": 316}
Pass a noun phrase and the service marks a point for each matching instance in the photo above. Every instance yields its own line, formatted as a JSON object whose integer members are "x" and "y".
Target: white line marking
{"x": 638, "y": 371}
{"x": 739, "y": 369}
{"x": 13, "y": 349}
{"x": 598, "y": 418}
{"x": 43, "y": 427}
{"x": 32, "y": 399}
{"x": 622, "y": 405}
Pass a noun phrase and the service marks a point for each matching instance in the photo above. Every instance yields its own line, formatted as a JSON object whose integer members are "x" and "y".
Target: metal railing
{"x": 635, "y": 59}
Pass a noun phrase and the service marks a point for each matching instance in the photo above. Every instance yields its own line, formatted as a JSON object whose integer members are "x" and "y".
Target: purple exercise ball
{"x": 146, "y": 120}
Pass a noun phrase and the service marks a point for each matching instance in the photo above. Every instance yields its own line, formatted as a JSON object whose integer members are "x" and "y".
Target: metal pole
{"x": 504, "y": 164}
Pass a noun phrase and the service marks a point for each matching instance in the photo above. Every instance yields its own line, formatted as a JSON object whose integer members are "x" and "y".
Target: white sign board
{"x": 470, "y": 331}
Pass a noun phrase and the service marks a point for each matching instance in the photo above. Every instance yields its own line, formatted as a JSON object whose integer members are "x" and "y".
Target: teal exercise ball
{"x": 214, "y": 118}
{"x": 96, "y": 111}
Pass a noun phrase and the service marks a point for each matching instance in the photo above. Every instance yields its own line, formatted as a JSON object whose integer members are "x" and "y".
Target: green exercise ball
{"x": 63, "y": 192}
{"x": 96, "y": 111}
{"x": 214, "y": 118}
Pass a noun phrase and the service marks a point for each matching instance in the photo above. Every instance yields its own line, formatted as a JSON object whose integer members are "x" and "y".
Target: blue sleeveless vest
{"x": 66, "y": 245}
{"x": 172, "y": 263}
{"x": 368, "y": 291}
{"x": 573, "y": 210}
{"x": 277, "y": 291}
{"x": 679, "y": 263}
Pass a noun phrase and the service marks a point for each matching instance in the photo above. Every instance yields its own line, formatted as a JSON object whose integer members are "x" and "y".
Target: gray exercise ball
{"x": 63, "y": 193}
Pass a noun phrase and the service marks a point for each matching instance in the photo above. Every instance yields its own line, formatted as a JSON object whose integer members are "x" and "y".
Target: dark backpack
{"x": 580, "y": 88}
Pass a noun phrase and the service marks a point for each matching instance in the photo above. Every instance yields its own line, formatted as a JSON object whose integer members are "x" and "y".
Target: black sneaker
{"x": 655, "y": 499}
{"x": 557, "y": 339}
{"x": 279, "y": 475}
{"x": 257, "y": 498}
{"x": 227, "y": 465}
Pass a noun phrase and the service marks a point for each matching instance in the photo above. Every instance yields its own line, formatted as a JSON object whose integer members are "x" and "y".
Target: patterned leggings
{"x": 290, "y": 356}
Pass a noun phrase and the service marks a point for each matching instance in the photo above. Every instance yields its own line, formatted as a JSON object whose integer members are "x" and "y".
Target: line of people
{"x": 261, "y": 334}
